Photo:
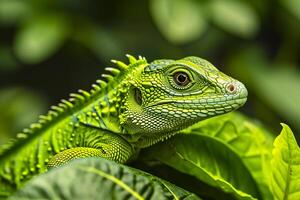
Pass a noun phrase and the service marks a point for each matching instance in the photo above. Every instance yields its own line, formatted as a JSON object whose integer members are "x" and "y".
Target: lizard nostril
{"x": 231, "y": 88}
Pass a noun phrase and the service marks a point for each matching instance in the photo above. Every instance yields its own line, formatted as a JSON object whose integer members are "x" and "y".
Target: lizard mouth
{"x": 204, "y": 107}
{"x": 204, "y": 102}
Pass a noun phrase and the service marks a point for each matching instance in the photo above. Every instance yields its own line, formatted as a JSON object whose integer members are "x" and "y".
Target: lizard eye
{"x": 181, "y": 78}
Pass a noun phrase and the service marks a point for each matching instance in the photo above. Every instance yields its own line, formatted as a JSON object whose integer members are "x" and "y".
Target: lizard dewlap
{"x": 138, "y": 104}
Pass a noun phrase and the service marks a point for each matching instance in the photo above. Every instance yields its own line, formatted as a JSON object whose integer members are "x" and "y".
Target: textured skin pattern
{"x": 138, "y": 105}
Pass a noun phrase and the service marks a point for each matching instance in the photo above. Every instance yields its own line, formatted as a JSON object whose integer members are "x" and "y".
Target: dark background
{"x": 50, "y": 48}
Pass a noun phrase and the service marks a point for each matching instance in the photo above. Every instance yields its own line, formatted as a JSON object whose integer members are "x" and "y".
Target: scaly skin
{"x": 140, "y": 104}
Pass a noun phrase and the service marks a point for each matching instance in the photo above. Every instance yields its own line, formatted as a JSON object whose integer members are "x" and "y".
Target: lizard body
{"x": 137, "y": 106}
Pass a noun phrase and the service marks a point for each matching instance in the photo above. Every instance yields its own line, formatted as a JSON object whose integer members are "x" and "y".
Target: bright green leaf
{"x": 285, "y": 182}
{"x": 97, "y": 178}
{"x": 208, "y": 159}
{"x": 179, "y": 21}
{"x": 235, "y": 17}
{"x": 40, "y": 37}
{"x": 249, "y": 140}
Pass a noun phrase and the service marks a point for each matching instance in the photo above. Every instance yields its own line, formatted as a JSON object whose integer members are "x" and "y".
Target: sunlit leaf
{"x": 285, "y": 182}
{"x": 97, "y": 178}
{"x": 249, "y": 140}
{"x": 179, "y": 21}
{"x": 236, "y": 17}
{"x": 210, "y": 160}
{"x": 40, "y": 37}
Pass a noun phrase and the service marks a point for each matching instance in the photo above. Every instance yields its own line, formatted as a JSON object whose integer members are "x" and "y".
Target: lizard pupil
{"x": 181, "y": 78}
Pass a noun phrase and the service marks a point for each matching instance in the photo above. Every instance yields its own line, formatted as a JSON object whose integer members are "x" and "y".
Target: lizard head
{"x": 168, "y": 95}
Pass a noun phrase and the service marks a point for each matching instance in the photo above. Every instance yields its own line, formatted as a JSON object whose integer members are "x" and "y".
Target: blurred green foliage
{"x": 18, "y": 108}
{"x": 53, "y": 47}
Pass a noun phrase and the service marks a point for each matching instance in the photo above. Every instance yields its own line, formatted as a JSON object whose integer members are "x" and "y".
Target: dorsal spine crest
{"x": 75, "y": 101}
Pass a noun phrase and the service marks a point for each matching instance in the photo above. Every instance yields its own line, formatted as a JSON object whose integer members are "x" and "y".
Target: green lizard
{"x": 137, "y": 106}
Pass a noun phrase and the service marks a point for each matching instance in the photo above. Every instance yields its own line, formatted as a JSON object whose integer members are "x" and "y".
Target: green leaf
{"x": 7, "y": 61}
{"x": 12, "y": 11}
{"x": 235, "y": 17}
{"x": 179, "y": 21}
{"x": 40, "y": 37}
{"x": 293, "y": 7}
{"x": 18, "y": 107}
{"x": 285, "y": 182}
{"x": 209, "y": 159}
{"x": 249, "y": 140}
{"x": 97, "y": 178}
{"x": 276, "y": 84}
{"x": 101, "y": 42}
{"x": 271, "y": 89}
